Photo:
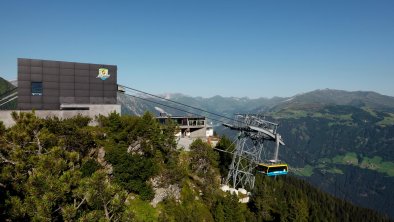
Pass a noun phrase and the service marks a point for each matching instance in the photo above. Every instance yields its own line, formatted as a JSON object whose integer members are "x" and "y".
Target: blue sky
{"x": 206, "y": 48}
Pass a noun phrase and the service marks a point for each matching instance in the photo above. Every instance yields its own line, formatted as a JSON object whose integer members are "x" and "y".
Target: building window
{"x": 36, "y": 88}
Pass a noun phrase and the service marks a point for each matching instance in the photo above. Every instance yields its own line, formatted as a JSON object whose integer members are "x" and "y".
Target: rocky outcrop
{"x": 161, "y": 193}
{"x": 101, "y": 160}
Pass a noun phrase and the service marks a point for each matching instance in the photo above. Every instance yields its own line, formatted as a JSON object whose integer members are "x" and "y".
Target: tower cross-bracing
{"x": 254, "y": 132}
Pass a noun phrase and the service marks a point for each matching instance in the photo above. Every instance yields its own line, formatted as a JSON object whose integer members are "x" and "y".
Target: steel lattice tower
{"x": 254, "y": 131}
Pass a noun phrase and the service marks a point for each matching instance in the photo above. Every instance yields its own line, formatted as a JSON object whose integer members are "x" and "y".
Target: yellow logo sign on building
{"x": 103, "y": 74}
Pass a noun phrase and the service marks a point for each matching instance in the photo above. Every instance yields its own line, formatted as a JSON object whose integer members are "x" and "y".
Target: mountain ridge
{"x": 326, "y": 97}
{"x": 309, "y": 100}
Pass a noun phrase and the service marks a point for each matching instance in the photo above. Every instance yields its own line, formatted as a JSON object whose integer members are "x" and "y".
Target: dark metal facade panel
{"x": 109, "y": 100}
{"x": 96, "y": 86}
{"x": 93, "y": 72}
{"x": 97, "y": 80}
{"x": 96, "y": 93}
{"x": 23, "y": 77}
{"x": 66, "y": 100}
{"x": 35, "y": 78}
{"x": 47, "y": 63}
{"x": 36, "y": 70}
{"x": 81, "y": 86}
{"x": 22, "y": 105}
{"x": 81, "y": 93}
{"x": 50, "y": 71}
{"x": 50, "y": 85}
{"x": 82, "y": 100}
{"x": 66, "y": 86}
{"x": 112, "y": 68}
{"x": 51, "y": 78}
{"x": 24, "y": 62}
{"x": 24, "y": 92}
{"x": 35, "y": 62}
{"x": 81, "y": 66}
{"x": 111, "y": 80}
{"x": 94, "y": 66}
{"x": 81, "y": 72}
{"x": 24, "y": 99}
{"x": 82, "y": 79}
{"x": 64, "y": 82}
{"x": 67, "y": 93}
{"x": 24, "y": 69}
{"x": 50, "y": 99}
{"x": 110, "y": 87}
{"x": 51, "y": 106}
{"x": 110, "y": 94}
{"x": 67, "y": 72}
{"x": 66, "y": 79}
{"x": 24, "y": 84}
{"x": 36, "y": 99}
{"x": 51, "y": 92}
{"x": 67, "y": 65}
{"x": 96, "y": 100}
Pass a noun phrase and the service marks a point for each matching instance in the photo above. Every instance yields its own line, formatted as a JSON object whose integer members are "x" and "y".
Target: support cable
{"x": 179, "y": 103}
{"x": 172, "y": 107}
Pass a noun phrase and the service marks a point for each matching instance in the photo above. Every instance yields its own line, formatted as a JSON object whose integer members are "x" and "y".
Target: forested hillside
{"x": 345, "y": 150}
{"x": 127, "y": 169}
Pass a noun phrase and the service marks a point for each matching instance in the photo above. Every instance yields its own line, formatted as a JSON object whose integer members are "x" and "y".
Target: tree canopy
{"x": 128, "y": 168}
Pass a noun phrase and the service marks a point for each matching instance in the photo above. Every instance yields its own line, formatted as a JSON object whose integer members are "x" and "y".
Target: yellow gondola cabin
{"x": 272, "y": 169}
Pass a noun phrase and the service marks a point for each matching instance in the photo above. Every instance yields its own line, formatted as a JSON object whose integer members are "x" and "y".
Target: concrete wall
{"x": 198, "y": 133}
{"x": 64, "y": 83}
{"x": 94, "y": 110}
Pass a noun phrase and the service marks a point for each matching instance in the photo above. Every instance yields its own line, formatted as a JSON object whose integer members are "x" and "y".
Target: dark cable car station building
{"x": 64, "y": 89}
{"x": 54, "y": 85}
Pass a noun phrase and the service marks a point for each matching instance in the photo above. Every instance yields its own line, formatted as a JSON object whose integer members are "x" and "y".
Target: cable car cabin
{"x": 272, "y": 169}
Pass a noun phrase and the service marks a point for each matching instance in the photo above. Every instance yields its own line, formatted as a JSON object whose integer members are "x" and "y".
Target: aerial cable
{"x": 225, "y": 151}
{"x": 168, "y": 106}
{"x": 7, "y": 92}
{"x": 233, "y": 144}
{"x": 179, "y": 103}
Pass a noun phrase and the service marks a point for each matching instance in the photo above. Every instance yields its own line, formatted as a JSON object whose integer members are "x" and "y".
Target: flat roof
{"x": 181, "y": 117}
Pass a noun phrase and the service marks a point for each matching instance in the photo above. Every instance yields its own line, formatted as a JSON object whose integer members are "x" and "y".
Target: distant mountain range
{"x": 223, "y": 105}
{"x": 230, "y": 105}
